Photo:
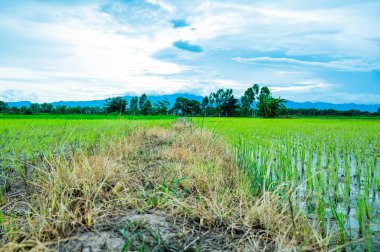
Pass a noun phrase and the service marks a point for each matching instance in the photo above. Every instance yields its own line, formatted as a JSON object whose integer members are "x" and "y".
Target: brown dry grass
{"x": 183, "y": 171}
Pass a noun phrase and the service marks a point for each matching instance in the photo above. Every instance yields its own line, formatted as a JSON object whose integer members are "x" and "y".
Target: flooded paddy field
{"x": 329, "y": 169}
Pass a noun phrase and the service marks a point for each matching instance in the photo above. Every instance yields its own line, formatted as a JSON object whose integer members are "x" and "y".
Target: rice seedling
{"x": 336, "y": 160}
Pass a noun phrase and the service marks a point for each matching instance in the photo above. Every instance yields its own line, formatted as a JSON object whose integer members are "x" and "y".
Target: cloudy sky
{"x": 322, "y": 50}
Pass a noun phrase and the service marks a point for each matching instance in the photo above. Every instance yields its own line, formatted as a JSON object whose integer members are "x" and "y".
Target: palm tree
{"x": 275, "y": 105}
{"x": 269, "y": 106}
{"x": 265, "y": 99}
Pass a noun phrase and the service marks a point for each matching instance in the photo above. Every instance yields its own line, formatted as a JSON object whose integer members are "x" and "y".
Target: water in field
{"x": 331, "y": 166}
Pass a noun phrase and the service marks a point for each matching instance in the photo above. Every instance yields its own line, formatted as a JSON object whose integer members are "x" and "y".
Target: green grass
{"x": 333, "y": 164}
{"x": 27, "y": 140}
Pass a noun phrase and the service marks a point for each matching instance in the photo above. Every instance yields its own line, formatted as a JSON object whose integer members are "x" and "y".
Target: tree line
{"x": 255, "y": 102}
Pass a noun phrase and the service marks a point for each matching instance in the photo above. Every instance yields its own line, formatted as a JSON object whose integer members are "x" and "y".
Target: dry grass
{"x": 187, "y": 173}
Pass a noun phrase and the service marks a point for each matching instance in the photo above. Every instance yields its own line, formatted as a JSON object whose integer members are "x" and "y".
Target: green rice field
{"x": 328, "y": 169}
{"x": 26, "y": 141}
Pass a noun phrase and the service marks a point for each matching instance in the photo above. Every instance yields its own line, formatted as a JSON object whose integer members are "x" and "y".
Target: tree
{"x": 264, "y": 102}
{"x": 134, "y": 105}
{"x": 205, "y": 105}
{"x": 3, "y": 107}
{"x": 26, "y": 111}
{"x": 269, "y": 106}
{"x": 145, "y": 106}
{"x": 162, "y": 107}
{"x": 61, "y": 109}
{"x": 75, "y": 110}
{"x": 249, "y": 98}
{"x": 91, "y": 110}
{"x": 14, "y": 110}
{"x": 184, "y": 107}
{"x": 211, "y": 102}
{"x": 276, "y": 105}
{"x": 46, "y": 107}
{"x": 116, "y": 104}
{"x": 35, "y": 108}
{"x": 226, "y": 104}
{"x": 142, "y": 101}
{"x": 23, "y": 109}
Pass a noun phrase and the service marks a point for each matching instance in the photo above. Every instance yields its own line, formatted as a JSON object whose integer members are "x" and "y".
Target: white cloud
{"x": 163, "y": 5}
{"x": 339, "y": 65}
{"x": 332, "y": 32}
{"x": 104, "y": 53}
{"x": 101, "y": 50}
{"x": 17, "y": 95}
{"x": 303, "y": 87}
{"x": 100, "y": 60}
{"x": 54, "y": 86}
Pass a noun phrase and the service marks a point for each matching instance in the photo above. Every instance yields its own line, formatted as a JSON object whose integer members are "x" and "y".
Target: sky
{"x": 322, "y": 50}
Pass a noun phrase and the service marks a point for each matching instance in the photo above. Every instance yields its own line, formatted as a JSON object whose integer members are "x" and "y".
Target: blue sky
{"x": 323, "y": 50}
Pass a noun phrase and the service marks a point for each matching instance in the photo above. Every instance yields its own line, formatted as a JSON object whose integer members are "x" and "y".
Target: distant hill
{"x": 341, "y": 107}
{"x": 171, "y": 98}
{"x": 19, "y": 104}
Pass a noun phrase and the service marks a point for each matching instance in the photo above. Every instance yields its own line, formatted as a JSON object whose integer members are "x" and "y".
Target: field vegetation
{"x": 144, "y": 184}
{"x": 165, "y": 183}
{"x": 329, "y": 168}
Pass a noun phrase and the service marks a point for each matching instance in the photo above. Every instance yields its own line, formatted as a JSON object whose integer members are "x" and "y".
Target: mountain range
{"x": 171, "y": 98}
